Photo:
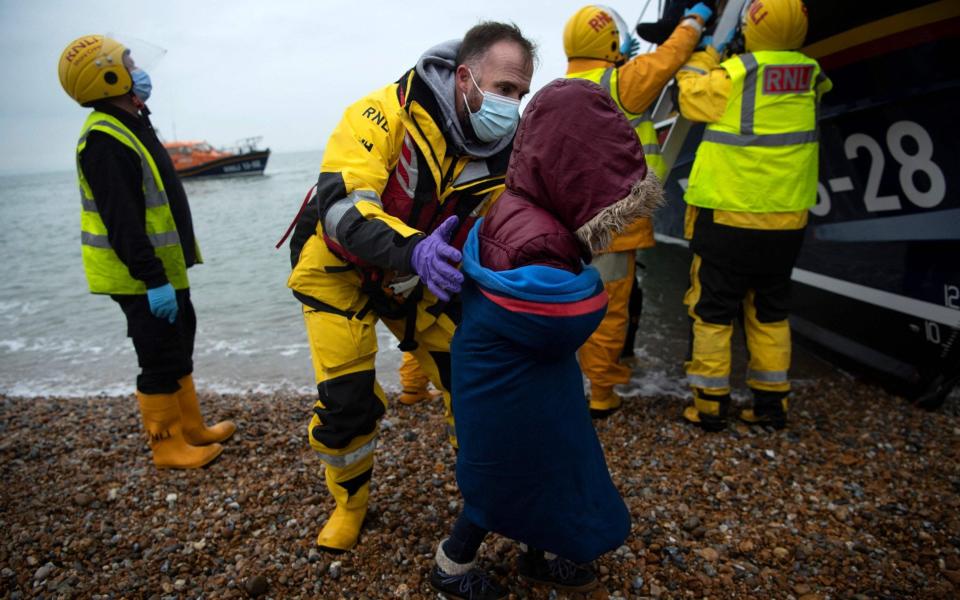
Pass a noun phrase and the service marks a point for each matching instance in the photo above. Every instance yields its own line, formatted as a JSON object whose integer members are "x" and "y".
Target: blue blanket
{"x": 530, "y": 466}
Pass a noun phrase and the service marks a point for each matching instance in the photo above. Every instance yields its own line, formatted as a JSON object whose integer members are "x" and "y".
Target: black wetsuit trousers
{"x": 164, "y": 350}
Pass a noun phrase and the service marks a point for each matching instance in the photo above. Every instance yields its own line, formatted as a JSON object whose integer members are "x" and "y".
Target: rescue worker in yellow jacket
{"x": 598, "y": 46}
{"x": 754, "y": 177}
{"x": 137, "y": 243}
{"x": 404, "y": 176}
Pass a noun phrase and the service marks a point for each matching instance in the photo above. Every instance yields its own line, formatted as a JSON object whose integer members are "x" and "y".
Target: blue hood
{"x": 533, "y": 283}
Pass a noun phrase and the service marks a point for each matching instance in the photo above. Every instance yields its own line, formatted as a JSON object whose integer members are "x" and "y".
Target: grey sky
{"x": 283, "y": 69}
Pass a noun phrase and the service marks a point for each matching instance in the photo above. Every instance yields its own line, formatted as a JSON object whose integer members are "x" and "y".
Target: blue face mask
{"x": 142, "y": 86}
{"x": 497, "y": 117}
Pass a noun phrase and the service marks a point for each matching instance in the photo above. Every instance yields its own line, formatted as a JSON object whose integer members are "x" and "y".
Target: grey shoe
{"x": 472, "y": 585}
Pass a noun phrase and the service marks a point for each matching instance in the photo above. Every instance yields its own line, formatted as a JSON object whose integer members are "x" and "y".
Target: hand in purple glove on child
{"x": 434, "y": 259}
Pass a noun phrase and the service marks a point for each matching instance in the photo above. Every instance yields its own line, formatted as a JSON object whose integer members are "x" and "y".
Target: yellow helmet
{"x": 92, "y": 68}
{"x": 775, "y": 25}
{"x": 595, "y": 32}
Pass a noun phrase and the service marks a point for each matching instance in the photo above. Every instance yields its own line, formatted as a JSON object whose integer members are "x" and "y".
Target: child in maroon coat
{"x": 530, "y": 466}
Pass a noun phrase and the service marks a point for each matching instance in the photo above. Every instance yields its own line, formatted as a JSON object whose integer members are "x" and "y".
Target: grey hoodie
{"x": 437, "y": 67}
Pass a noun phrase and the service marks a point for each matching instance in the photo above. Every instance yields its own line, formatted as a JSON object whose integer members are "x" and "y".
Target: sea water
{"x": 58, "y": 339}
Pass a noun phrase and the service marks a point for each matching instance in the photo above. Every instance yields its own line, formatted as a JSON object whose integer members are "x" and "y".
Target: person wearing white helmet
{"x": 137, "y": 242}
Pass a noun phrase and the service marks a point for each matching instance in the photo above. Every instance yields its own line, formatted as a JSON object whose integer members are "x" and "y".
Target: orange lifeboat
{"x": 198, "y": 158}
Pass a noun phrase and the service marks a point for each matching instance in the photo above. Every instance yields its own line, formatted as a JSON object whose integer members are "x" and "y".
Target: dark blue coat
{"x": 530, "y": 466}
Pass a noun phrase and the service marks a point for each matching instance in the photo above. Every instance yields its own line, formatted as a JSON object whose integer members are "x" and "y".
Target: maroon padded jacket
{"x": 577, "y": 174}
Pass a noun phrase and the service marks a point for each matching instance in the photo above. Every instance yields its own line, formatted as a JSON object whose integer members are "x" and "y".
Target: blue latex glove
{"x": 433, "y": 259}
{"x": 630, "y": 47}
{"x": 699, "y": 10}
{"x": 163, "y": 302}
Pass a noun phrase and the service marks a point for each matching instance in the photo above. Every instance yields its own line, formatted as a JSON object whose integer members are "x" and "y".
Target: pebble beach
{"x": 858, "y": 498}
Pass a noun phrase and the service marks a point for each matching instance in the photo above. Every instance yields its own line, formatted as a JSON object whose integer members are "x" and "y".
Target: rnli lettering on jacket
{"x": 762, "y": 155}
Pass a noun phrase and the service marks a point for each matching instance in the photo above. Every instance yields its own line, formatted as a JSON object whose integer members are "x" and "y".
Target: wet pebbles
{"x": 859, "y": 498}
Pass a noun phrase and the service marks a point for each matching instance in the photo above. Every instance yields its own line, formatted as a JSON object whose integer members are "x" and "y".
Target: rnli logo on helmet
{"x": 599, "y": 21}
{"x": 757, "y": 12}
{"x": 787, "y": 79}
{"x": 79, "y": 47}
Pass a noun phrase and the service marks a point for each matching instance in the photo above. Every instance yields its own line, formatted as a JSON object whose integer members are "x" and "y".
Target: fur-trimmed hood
{"x": 576, "y": 156}
{"x": 577, "y": 177}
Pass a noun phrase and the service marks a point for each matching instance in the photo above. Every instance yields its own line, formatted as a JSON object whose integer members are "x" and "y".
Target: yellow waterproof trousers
{"x": 740, "y": 269}
{"x": 351, "y": 400}
{"x": 341, "y": 329}
{"x": 713, "y": 301}
{"x": 600, "y": 355}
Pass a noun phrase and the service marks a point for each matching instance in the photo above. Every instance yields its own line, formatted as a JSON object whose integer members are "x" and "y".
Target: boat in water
{"x": 878, "y": 279}
{"x": 200, "y": 159}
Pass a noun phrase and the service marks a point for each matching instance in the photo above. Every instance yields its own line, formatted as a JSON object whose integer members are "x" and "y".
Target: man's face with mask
{"x": 503, "y": 73}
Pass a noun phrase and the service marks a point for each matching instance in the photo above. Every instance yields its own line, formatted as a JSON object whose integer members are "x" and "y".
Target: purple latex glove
{"x": 433, "y": 260}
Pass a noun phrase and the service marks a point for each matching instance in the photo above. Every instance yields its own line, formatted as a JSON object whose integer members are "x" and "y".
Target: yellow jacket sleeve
{"x": 642, "y": 78}
{"x": 704, "y": 87}
{"x": 364, "y": 145}
{"x": 357, "y": 162}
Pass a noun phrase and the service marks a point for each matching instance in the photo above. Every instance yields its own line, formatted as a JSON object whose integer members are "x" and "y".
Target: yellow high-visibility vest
{"x": 106, "y": 273}
{"x": 762, "y": 155}
{"x": 642, "y": 123}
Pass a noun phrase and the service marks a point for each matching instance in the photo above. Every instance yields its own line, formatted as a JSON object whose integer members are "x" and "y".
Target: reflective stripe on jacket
{"x": 640, "y": 233}
{"x": 106, "y": 273}
{"x": 762, "y": 154}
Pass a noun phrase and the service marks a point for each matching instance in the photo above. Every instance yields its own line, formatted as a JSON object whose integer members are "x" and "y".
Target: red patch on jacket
{"x": 787, "y": 79}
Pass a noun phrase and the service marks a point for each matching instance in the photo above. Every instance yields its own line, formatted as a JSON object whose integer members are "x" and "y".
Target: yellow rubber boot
{"x": 350, "y": 487}
{"x": 194, "y": 431}
{"x": 161, "y": 419}
{"x": 709, "y": 411}
{"x": 411, "y": 396}
{"x": 414, "y": 382}
{"x": 603, "y": 402}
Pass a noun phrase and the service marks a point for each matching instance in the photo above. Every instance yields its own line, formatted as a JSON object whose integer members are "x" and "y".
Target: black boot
{"x": 556, "y": 572}
{"x": 769, "y": 409}
{"x": 709, "y": 411}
